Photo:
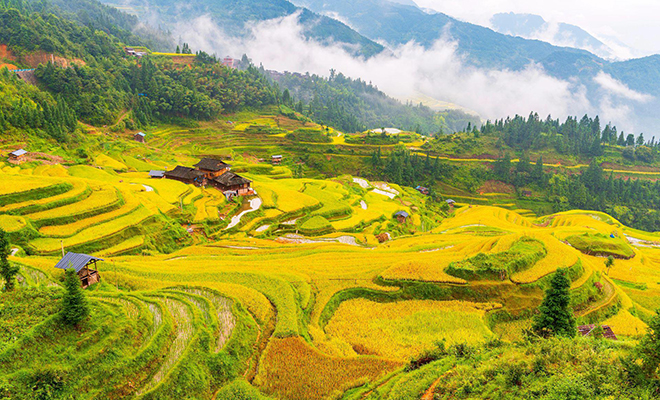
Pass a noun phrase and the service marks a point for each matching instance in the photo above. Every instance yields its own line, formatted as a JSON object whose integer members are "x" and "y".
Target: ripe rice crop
{"x": 103, "y": 160}
{"x": 292, "y": 369}
{"x": 12, "y": 184}
{"x": 12, "y": 223}
{"x": 624, "y": 323}
{"x": 170, "y": 190}
{"x": 404, "y": 329}
{"x": 70, "y": 229}
{"x": 93, "y": 233}
{"x": 429, "y": 272}
{"x": 559, "y": 256}
{"x": 99, "y": 198}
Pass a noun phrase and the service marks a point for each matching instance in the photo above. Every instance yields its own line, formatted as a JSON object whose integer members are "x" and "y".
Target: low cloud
{"x": 618, "y": 89}
{"x": 409, "y": 70}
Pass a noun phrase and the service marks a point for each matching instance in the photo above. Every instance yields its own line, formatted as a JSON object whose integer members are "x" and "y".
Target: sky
{"x": 634, "y": 22}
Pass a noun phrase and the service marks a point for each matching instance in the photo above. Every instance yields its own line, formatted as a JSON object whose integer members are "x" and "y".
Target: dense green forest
{"x": 584, "y": 137}
{"x": 354, "y": 105}
{"x": 24, "y": 107}
{"x": 108, "y": 83}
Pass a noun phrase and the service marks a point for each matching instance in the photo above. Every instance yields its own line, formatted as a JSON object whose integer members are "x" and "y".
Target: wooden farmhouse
{"x": 212, "y": 168}
{"x": 276, "y": 160}
{"x": 18, "y": 156}
{"x": 187, "y": 175}
{"x": 214, "y": 172}
{"x": 81, "y": 263}
{"x": 140, "y": 137}
{"x": 230, "y": 182}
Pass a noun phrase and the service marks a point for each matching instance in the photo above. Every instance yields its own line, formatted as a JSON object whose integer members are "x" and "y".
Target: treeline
{"x": 407, "y": 169}
{"x": 353, "y": 105}
{"x": 584, "y": 137}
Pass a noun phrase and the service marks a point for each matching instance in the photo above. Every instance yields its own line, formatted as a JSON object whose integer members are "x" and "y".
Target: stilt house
{"x": 212, "y": 168}
{"x": 187, "y": 175}
{"x": 81, "y": 263}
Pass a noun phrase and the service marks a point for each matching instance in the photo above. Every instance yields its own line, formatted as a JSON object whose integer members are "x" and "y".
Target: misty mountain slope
{"x": 398, "y": 24}
{"x": 532, "y": 26}
{"x": 235, "y": 17}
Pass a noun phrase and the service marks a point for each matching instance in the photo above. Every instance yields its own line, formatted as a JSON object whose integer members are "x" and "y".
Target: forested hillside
{"x": 353, "y": 105}
{"x": 105, "y": 83}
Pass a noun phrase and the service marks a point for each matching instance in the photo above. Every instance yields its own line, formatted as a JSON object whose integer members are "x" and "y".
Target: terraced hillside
{"x": 314, "y": 316}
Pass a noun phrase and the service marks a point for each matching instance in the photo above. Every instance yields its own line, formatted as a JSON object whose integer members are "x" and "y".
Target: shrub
{"x": 7, "y": 270}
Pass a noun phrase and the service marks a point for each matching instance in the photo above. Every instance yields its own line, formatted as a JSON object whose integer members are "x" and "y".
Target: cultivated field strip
{"x": 223, "y": 314}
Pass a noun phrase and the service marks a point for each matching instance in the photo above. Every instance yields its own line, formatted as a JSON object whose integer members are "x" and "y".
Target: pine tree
{"x": 7, "y": 270}
{"x": 555, "y": 316}
{"x": 74, "y": 303}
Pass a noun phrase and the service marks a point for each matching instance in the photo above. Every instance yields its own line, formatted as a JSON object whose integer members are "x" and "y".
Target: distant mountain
{"x": 235, "y": 16}
{"x": 530, "y": 26}
{"x": 397, "y": 24}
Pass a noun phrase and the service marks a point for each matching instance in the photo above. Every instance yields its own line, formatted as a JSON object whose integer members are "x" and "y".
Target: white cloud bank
{"x": 438, "y": 72}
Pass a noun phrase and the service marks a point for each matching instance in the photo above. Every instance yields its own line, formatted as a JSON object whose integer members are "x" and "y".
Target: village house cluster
{"x": 209, "y": 172}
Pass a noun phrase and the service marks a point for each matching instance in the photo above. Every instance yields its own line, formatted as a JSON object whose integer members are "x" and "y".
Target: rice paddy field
{"x": 300, "y": 298}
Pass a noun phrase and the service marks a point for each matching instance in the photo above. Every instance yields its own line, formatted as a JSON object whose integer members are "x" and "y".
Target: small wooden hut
{"x": 155, "y": 174}
{"x": 18, "y": 156}
{"x": 140, "y": 137}
{"x": 276, "y": 160}
{"x": 81, "y": 263}
{"x": 402, "y": 217}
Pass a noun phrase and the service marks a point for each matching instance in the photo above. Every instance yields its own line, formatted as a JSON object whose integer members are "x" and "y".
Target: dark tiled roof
{"x": 608, "y": 333}
{"x": 231, "y": 179}
{"x": 76, "y": 261}
{"x": 402, "y": 214}
{"x": 184, "y": 173}
{"x": 209, "y": 164}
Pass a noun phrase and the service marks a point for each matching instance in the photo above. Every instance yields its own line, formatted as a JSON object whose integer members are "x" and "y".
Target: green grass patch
{"x": 601, "y": 245}
{"x": 521, "y": 256}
